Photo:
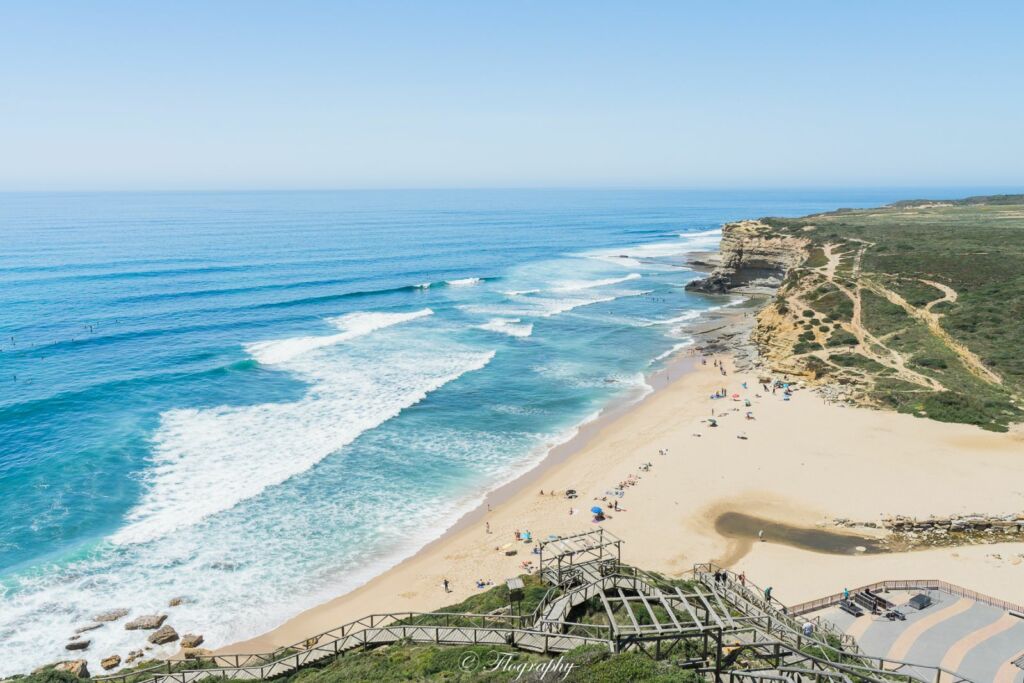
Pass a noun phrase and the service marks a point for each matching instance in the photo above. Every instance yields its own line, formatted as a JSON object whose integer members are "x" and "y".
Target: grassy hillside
{"x": 918, "y": 306}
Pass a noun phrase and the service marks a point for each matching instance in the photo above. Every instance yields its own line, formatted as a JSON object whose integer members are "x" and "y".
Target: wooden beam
{"x": 686, "y": 604}
{"x": 611, "y": 613}
{"x": 712, "y": 614}
{"x": 629, "y": 611}
{"x": 725, "y": 610}
{"x": 654, "y": 618}
{"x": 669, "y": 610}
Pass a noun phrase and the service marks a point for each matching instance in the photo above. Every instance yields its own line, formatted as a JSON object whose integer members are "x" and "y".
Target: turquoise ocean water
{"x": 261, "y": 400}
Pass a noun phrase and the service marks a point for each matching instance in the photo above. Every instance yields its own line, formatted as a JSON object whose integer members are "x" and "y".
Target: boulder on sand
{"x": 166, "y": 634}
{"x": 111, "y": 615}
{"x": 110, "y": 662}
{"x": 147, "y": 622}
{"x": 190, "y": 640}
{"x": 78, "y": 645}
{"x": 78, "y": 668}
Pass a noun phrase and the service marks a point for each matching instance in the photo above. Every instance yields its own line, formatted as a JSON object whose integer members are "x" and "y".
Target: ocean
{"x": 258, "y": 401}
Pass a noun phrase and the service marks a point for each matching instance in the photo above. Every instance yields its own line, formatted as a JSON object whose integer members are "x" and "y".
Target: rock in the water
{"x": 110, "y": 662}
{"x": 147, "y": 622}
{"x": 78, "y": 668}
{"x": 133, "y": 655}
{"x": 87, "y": 627}
{"x": 166, "y": 634}
{"x": 111, "y": 615}
{"x": 174, "y": 602}
{"x": 192, "y": 652}
{"x": 78, "y": 645}
{"x": 713, "y": 284}
{"x": 191, "y": 640}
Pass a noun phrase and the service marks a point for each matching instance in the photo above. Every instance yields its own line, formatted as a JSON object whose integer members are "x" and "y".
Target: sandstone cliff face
{"x": 752, "y": 256}
{"x": 775, "y": 335}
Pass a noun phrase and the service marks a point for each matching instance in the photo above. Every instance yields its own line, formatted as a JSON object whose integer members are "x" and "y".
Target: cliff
{"x": 752, "y": 255}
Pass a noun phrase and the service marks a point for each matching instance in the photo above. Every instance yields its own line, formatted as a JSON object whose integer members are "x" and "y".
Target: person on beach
{"x": 760, "y": 534}
{"x": 743, "y": 579}
{"x": 488, "y": 525}
{"x": 846, "y": 594}
{"x": 768, "y": 594}
{"x": 446, "y": 586}
{"x": 519, "y": 536}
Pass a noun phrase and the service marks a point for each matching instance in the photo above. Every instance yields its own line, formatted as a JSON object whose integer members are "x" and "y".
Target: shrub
{"x": 929, "y": 362}
{"x": 840, "y": 337}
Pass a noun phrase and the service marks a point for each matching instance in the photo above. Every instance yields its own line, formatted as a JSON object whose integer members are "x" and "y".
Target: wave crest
{"x": 352, "y": 326}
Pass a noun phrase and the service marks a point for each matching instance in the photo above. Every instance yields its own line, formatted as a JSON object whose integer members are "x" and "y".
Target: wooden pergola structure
{"x": 576, "y": 558}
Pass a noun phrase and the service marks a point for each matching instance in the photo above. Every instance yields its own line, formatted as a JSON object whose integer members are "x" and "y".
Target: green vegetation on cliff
{"x": 928, "y": 293}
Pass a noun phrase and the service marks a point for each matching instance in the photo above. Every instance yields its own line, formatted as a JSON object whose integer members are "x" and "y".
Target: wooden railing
{"x": 762, "y": 625}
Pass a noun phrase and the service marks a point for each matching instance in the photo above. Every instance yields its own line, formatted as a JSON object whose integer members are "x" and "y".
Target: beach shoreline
{"x": 704, "y": 330}
{"x": 672, "y": 525}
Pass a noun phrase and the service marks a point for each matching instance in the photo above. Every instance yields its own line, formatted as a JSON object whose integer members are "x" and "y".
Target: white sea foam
{"x": 577, "y": 285}
{"x": 352, "y": 326}
{"x": 464, "y": 282}
{"x": 513, "y": 327}
{"x": 521, "y": 292}
{"x": 688, "y": 315}
{"x": 645, "y": 256}
{"x": 674, "y": 349}
{"x": 207, "y": 460}
{"x": 529, "y": 306}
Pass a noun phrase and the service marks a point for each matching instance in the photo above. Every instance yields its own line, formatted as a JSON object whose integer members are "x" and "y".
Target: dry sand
{"x": 803, "y": 463}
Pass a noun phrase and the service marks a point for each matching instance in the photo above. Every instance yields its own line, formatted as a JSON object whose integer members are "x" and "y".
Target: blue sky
{"x": 250, "y": 95}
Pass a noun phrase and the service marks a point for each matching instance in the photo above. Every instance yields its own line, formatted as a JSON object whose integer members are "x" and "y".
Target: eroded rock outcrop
{"x": 147, "y": 622}
{"x": 111, "y": 662}
{"x": 111, "y": 615}
{"x": 164, "y": 635}
{"x": 752, "y": 255}
{"x": 191, "y": 640}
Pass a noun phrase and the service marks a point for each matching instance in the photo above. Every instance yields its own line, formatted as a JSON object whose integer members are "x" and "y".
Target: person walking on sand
{"x": 760, "y": 535}
{"x": 488, "y": 525}
{"x": 446, "y": 586}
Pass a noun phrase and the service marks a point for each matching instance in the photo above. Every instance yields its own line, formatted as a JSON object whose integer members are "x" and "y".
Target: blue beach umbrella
{"x": 596, "y": 510}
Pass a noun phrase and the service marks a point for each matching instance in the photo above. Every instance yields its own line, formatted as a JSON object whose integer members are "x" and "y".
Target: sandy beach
{"x": 798, "y": 461}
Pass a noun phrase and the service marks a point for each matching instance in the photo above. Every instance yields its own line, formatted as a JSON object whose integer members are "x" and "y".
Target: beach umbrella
{"x": 596, "y": 510}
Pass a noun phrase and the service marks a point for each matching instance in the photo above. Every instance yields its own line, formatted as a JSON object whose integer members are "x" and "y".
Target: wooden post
{"x": 718, "y": 654}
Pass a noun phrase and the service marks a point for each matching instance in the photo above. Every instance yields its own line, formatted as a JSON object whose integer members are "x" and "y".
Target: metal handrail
{"x": 909, "y": 584}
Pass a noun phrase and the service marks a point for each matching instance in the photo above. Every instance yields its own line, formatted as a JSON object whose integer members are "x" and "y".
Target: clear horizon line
{"x": 1012, "y": 188}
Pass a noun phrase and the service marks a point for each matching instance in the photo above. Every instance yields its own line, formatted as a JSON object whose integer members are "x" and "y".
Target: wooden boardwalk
{"x": 726, "y": 628}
